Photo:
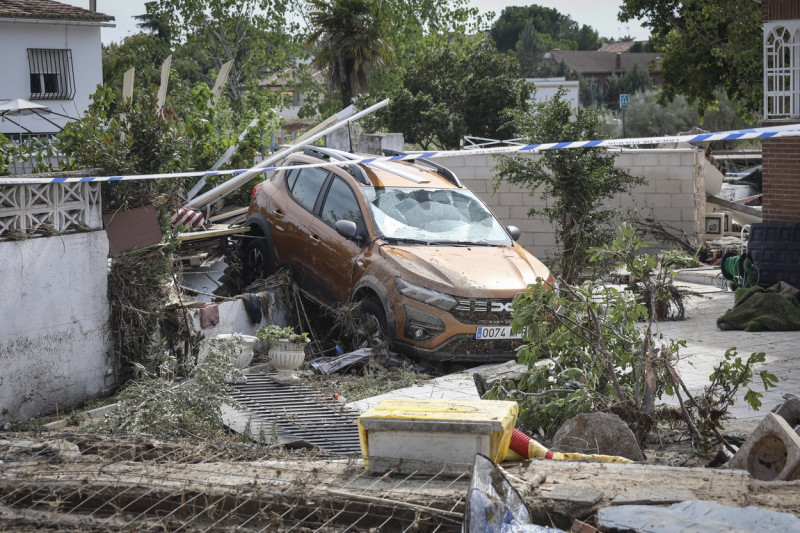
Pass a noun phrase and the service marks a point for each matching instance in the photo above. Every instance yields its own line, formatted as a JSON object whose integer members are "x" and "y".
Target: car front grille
{"x": 483, "y": 311}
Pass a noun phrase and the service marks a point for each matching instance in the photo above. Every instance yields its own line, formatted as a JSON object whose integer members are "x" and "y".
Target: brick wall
{"x": 674, "y": 192}
{"x": 781, "y": 179}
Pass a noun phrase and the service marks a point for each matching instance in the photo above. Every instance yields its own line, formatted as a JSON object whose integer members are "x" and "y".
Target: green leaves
{"x": 454, "y": 92}
{"x": 577, "y": 182}
{"x": 705, "y": 45}
{"x": 349, "y": 38}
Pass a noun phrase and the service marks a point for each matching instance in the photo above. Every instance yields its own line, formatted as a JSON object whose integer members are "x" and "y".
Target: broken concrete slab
{"x": 695, "y": 516}
{"x": 653, "y": 496}
{"x": 597, "y": 433}
{"x": 771, "y": 453}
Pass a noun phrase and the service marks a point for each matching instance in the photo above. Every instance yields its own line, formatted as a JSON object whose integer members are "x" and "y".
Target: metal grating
{"x": 299, "y": 414}
{"x": 51, "y": 74}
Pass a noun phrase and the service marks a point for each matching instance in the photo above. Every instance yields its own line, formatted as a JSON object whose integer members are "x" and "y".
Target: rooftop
{"x": 48, "y": 10}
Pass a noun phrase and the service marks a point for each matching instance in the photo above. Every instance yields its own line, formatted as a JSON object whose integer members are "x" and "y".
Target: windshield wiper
{"x": 404, "y": 240}
{"x": 464, "y": 243}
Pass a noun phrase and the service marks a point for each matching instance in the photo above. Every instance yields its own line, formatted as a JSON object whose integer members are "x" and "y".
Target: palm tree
{"x": 154, "y": 22}
{"x": 350, "y": 40}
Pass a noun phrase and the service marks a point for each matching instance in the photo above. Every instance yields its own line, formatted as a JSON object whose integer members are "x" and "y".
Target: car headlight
{"x": 426, "y": 296}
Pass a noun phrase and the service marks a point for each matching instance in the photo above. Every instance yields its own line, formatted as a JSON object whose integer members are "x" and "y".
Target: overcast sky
{"x": 599, "y": 14}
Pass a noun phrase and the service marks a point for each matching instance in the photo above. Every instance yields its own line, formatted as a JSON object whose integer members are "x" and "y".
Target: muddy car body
{"x": 421, "y": 251}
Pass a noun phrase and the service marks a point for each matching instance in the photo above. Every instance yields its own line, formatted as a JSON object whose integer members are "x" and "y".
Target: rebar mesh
{"x": 89, "y": 482}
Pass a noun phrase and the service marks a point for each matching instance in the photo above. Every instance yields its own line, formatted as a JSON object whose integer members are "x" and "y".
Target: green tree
{"x": 530, "y": 51}
{"x": 153, "y": 23}
{"x": 561, "y": 29}
{"x": 447, "y": 95}
{"x": 646, "y": 117}
{"x": 255, "y": 34}
{"x": 631, "y": 82}
{"x": 419, "y": 28}
{"x": 144, "y": 52}
{"x": 350, "y": 40}
{"x": 577, "y": 182}
{"x": 706, "y": 45}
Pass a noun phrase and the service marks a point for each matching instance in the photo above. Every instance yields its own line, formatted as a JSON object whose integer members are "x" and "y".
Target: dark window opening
{"x": 51, "y": 74}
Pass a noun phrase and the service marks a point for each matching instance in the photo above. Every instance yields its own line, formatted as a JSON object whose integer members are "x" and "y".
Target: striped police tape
{"x": 792, "y": 130}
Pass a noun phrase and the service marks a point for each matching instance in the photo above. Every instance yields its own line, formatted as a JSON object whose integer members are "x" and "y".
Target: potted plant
{"x": 286, "y": 350}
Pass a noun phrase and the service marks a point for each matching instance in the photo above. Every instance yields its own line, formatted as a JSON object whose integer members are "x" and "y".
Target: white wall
{"x": 54, "y": 323}
{"x": 674, "y": 194}
{"x": 547, "y": 88}
{"x": 17, "y": 37}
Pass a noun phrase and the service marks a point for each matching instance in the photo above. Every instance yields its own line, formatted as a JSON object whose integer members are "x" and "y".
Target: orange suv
{"x": 425, "y": 256}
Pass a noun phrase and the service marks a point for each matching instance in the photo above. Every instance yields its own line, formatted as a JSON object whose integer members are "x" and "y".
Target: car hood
{"x": 466, "y": 270}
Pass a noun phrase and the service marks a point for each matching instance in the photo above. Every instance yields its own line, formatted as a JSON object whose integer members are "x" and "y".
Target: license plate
{"x": 495, "y": 332}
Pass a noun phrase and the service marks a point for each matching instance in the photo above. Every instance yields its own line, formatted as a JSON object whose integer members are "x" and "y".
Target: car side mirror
{"x": 514, "y": 232}
{"x": 347, "y": 229}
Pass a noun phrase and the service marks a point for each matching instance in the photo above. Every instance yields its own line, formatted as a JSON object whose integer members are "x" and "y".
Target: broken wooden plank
{"x": 216, "y": 230}
{"x": 488, "y": 376}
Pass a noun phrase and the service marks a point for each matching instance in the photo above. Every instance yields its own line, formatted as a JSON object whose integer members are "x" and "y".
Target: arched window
{"x": 782, "y": 69}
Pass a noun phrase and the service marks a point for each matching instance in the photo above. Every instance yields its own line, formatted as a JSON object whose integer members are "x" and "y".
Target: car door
{"x": 292, "y": 214}
{"x": 336, "y": 258}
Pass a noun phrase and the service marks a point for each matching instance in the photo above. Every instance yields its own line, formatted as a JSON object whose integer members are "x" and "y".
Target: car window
{"x": 341, "y": 204}
{"x": 291, "y": 177}
{"x": 306, "y": 185}
{"x": 434, "y": 216}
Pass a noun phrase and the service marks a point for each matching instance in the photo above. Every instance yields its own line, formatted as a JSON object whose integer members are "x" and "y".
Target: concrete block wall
{"x": 674, "y": 193}
{"x": 55, "y": 342}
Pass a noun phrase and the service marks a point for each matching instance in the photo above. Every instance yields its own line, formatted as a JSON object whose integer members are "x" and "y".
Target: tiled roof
{"x": 585, "y": 62}
{"x": 48, "y": 10}
{"x": 623, "y": 46}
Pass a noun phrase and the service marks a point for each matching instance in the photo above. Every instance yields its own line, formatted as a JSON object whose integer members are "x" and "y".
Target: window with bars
{"x": 782, "y": 69}
{"x": 51, "y": 72}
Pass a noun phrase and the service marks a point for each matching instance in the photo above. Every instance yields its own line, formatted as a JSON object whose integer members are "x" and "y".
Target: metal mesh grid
{"x": 86, "y": 482}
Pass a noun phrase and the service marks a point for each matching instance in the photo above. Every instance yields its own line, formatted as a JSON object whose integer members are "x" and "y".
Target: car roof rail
{"x": 321, "y": 153}
{"x": 446, "y": 173}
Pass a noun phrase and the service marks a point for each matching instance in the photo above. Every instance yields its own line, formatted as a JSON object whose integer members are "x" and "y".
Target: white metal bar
{"x": 234, "y": 183}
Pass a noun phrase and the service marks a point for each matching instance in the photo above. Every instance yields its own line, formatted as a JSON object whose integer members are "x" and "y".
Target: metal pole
{"x": 234, "y": 183}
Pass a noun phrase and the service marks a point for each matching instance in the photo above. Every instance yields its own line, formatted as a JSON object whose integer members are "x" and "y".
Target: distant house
{"x": 287, "y": 86}
{"x": 597, "y": 66}
{"x": 50, "y": 54}
{"x": 546, "y": 88}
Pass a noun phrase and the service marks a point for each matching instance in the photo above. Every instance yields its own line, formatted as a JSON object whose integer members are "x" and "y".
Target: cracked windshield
{"x": 434, "y": 216}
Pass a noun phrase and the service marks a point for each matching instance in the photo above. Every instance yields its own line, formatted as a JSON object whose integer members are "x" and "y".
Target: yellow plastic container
{"x": 435, "y": 436}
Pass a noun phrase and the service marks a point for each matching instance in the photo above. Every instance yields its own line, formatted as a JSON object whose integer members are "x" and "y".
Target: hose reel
{"x": 739, "y": 269}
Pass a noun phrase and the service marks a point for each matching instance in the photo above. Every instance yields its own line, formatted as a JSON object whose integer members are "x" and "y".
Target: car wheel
{"x": 258, "y": 261}
{"x": 372, "y": 308}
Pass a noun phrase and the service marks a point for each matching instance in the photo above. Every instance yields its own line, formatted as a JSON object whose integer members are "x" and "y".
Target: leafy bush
{"x": 275, "y": 333}
{"x": 156, "y": 403}
{"x": 592, "y": 347}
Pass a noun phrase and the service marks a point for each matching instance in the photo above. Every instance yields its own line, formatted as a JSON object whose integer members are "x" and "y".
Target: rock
{"x": 599, "y": 433}
{"x": 789, "y": 409}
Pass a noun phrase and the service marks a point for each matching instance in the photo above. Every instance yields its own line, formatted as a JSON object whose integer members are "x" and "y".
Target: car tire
{"x": 372, "y": 307}
{"x": 258, "y": 260}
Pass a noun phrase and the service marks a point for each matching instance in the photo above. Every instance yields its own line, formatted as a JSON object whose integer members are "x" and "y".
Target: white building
{"x": 547, "y": 88}
{"x": 50, "y": 54}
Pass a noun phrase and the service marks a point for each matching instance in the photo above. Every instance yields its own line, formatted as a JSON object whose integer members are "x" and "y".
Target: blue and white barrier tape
{"x": 737, "y": 135}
